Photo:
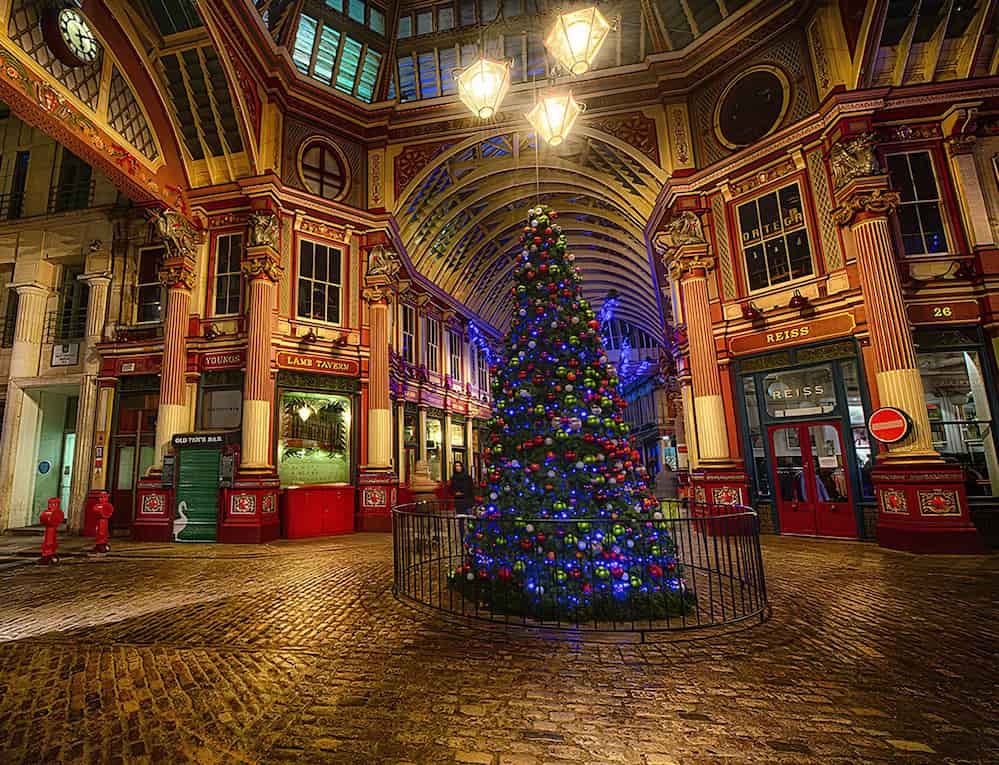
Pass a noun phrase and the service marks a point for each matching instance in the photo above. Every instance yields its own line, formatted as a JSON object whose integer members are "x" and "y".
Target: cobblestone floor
{"x": 297, "y": 653}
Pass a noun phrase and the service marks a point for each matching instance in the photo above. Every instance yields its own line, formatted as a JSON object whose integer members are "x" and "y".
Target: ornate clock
{"x": 70, "y": 36}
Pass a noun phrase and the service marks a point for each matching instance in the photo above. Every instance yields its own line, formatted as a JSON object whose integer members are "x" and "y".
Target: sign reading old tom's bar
{"x": 794, "y": 333}
{"x": 323, "y": 364}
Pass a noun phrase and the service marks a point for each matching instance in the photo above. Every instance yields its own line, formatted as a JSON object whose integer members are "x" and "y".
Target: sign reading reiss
{"x": 323, "y": 364}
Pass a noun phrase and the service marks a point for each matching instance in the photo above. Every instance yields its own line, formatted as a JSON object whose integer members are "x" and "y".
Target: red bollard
{"x": 104, "y": 510}
{"x": 51, "y": 517}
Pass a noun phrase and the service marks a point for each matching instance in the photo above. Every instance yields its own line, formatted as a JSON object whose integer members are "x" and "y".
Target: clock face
{"x": 78, "y": 36}
{"x": 751, "y": 108}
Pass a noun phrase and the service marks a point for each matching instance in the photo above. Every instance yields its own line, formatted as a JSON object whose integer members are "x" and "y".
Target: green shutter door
{"x": 197, "y": 495}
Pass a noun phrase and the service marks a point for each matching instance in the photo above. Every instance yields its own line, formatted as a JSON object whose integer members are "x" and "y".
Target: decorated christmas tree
{"x": 565, "y": 526}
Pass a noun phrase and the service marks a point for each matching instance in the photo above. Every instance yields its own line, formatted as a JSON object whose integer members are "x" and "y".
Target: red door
{"x": 812, "y": 483}
{"x": 132, "y": 453}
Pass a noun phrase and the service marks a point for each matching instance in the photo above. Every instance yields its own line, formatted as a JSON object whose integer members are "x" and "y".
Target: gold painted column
{"x": 262, "y": 273}
{"x": 379, "y": 405}
{"x": 866, "y": 205}
{"x": 692, "y": 265}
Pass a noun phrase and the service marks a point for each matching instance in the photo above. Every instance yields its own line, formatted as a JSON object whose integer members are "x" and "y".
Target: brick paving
{"x": 297, "y": 653}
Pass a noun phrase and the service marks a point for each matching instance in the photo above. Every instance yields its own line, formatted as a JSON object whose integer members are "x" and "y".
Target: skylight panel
{"x": 305, "y": 39}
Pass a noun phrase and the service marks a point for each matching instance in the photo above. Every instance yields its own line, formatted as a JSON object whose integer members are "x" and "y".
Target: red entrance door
{"x": 812, "y": 483}
{"x": 133, "y": 452}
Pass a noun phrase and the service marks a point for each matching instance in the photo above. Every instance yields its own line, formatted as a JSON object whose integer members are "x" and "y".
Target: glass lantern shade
{"x": 483, "y": 85}
{"x": 576, "y": 38}
{"x": 553, "y": 117}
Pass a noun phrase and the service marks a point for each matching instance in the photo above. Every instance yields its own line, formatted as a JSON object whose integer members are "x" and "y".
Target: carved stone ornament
{"x": 962, "y": 143}
{"x": 684, "y": 229}
{"x": 176, "y": 232}
{"x": 177, "y": 276}
{"x": 877, "y": 202}
{"x": 383, "y": 264}
{"x": 264, "y": 229}
{"x": 375, "y": 293}
{"x": 262, "y": 266}
{"x": 854, "y": 158}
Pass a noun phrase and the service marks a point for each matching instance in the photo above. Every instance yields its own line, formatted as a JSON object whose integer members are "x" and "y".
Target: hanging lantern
{"x": 576, "y": 38}
{"x": 553, "y": 116}
{"x": 482, "y": 86}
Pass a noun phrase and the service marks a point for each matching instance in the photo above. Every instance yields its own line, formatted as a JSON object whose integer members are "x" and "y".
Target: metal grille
{"x": 125, "y": 116}
{"x": 71, "y": 196}
{"x": 718, "y": 579}
{"x": 66, "y": 326}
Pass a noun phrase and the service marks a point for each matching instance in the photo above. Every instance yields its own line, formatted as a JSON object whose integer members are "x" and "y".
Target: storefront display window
{"x": 314, "y": 444}
{"x": 756, "y": 437}
{"x": 960, "y": 415}
{"x": 222, "y": 409}
{"x": 800, "y": 392}
{"x": 435, "y": 441}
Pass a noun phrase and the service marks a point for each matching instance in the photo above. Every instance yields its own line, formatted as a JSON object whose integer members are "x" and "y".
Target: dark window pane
{"x": 756, "y": 267}
{"x": 769, "y": 215}
{"x": 445, "y": 18}
{"x": 150, "y": 307}
{"x": 304, "y": 292}
{"x": 305, "y": 267}
{"x": 334, "y": 273}
{"x": 933, "y": 228}
{"x": 749, "y": 223}
{"x": 898, "y": 171}
{"x": 405, "y": 26}
{"x": 318, "y": 300}
{"x": 467, "y": 9}
{"x": 321, "y": 263}
{"x": 797, "y": 250}
{"x": 489, "y": 10}
{"x": 427, "y": 64}
{"x": 777, "y": 261}
{"x": 922, "y": 175}
{"x": 448, "y": 62}
{"x": 424, "y": 23}
{"x": 790, "y": 207}
{"x": 149, "y": 266}
{"x": 333, "y": 305}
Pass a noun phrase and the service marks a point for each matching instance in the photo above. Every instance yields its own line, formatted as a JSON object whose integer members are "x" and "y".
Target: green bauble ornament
{"x": 602, "y": 572}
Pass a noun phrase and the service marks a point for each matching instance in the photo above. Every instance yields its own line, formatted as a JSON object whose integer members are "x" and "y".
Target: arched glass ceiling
{"x": 461, "y": 218}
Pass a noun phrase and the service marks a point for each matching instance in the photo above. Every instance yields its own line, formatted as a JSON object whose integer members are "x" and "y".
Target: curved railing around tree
{"x": 718, "y": 580}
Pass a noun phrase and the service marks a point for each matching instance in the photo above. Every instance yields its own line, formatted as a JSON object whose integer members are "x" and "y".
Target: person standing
{"x": 462, "y": 488}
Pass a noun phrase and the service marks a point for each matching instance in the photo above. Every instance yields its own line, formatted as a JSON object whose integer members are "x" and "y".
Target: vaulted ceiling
{"x": 460, "y": 219}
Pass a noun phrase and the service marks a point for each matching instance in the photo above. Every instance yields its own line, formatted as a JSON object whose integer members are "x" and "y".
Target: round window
{"x": 324, "y": 170}
{"x": 752, "y": 106}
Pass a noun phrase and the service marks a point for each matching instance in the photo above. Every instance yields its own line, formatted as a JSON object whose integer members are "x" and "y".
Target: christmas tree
{"x": 566, "y": 526}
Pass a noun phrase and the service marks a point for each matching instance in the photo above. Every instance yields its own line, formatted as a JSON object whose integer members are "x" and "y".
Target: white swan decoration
{"x": 179, "y": 524}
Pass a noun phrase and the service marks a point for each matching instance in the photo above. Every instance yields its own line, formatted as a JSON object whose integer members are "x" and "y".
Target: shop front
{"x": 809, "y": 457}
{"x": 316, "y": 421}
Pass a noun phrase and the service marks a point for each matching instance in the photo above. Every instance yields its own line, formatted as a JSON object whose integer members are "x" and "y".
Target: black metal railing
{"x": 7, "y": 332}
{"x": 12, "y": 205}
{"x": 71, "y": 196}
{"x": 708, "y": 573}
{"x": 65, "y": 326}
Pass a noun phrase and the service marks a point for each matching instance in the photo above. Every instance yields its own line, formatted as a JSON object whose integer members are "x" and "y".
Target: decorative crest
{"x": 854, "y": 158}
{"x": 383, "y": 264}
{"x": 177, "y": 233}
{"x": 264, "y": 229}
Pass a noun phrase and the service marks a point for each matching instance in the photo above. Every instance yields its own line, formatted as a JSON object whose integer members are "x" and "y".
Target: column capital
{"x": 31, "y": 288}
{"x": 177, "y": 273}
{"x": 98, "y": 278}
{"x": 261, "y": 263}
{"x": 376, "y": 293}
{"x": 961, "y": 143}
{"x": 688, "y": 260}
{"x": 865, "y": 201}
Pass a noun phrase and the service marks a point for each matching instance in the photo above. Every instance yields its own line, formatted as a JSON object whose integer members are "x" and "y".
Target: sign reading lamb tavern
{"x": 323, "y": 364}
{"x": 794, "y": 333}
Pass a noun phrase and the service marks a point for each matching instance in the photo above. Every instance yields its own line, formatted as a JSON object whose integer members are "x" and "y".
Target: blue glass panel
{"x": 305, "y": 38}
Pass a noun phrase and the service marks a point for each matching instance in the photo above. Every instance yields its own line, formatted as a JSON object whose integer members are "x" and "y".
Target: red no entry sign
{"x": 889, "y": 425}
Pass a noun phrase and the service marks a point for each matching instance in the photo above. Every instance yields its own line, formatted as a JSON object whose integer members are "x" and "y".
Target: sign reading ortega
{"x": 324, "y": 364}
